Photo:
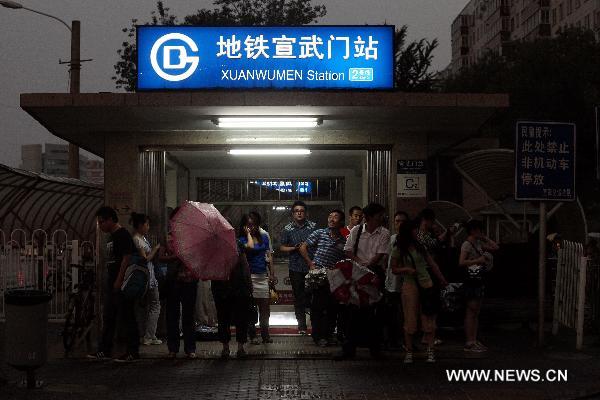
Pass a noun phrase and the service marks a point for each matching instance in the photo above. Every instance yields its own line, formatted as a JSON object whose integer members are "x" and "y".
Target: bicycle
{"x": 81, "y": 309}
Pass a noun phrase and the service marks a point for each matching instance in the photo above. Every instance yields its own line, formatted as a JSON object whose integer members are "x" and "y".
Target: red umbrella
{"x": 204, "y": 241}
{"x": 351, "y": 283}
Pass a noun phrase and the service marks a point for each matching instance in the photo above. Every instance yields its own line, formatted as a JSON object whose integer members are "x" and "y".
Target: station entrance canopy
{"x": 88, "y": 120}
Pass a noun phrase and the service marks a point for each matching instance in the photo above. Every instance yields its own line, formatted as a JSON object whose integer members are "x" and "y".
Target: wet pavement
{"x": 293, "y": 367}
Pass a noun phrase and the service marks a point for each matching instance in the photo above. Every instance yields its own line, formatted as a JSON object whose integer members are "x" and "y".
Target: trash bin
{"x": 26, "y": 341}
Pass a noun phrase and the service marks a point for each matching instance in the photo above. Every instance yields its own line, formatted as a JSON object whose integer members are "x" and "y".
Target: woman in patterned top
{"x": 475, "y": 256}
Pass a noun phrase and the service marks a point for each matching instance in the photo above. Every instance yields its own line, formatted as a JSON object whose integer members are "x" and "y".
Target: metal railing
{"x": 45, "y": 261}
{"x": 570, "y": 293}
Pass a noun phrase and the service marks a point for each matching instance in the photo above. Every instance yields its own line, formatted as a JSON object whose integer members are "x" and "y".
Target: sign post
{"x": 544, "y": 171}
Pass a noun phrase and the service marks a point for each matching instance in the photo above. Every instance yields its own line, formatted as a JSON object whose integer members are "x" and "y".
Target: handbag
{"x": 273, "y": 295}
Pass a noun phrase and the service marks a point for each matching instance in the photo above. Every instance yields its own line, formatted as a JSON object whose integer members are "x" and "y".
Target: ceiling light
{"x": 264, "y": 139}
{"x": 267, "y": 122}
{"x": 269, "y": 152}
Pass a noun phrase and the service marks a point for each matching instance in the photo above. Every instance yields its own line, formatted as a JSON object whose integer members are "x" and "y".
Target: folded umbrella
{"x": 204, "y": 241}
{"x": 352, "y": 283}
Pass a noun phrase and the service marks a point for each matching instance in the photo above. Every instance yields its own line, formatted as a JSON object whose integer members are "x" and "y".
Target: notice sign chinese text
{"x": 301, "y": 57}
{"x": 545, "y": 161}
{"x": 411, "y": 178}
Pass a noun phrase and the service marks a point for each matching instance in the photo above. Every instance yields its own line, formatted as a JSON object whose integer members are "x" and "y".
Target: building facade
{"x": 53, "y": 159}
{"x": 491, "y": 25}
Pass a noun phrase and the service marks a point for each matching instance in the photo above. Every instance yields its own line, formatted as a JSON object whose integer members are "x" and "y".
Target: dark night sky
{"x": 31, "y": 46}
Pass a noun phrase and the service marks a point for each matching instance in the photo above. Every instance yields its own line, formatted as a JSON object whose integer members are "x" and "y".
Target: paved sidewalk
{"x": 294, "y": 368}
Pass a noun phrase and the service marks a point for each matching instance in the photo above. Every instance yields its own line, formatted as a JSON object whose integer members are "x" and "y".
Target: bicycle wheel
{"x": 69, "y": 333}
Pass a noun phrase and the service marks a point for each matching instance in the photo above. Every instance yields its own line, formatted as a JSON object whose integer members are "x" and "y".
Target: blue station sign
{"x": 302, "y": 57}
{"x": 545, "y": 161}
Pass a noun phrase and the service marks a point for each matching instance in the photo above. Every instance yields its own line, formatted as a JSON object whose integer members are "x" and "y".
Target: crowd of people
{"x": 409, "y": 265}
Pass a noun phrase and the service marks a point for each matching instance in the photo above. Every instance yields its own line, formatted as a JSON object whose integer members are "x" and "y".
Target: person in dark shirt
{"x": 119, "y": 248}
{"x": 181, "y": 290}
{"x": 233, "y": 299}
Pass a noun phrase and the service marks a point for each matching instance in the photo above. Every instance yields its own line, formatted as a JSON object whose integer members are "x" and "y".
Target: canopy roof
{"x": 492, "y": 172}
{"x": 31, "y": 201}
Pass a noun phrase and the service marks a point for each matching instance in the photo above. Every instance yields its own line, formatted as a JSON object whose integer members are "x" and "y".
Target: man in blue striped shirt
{"x": 329, "y": 244}
{"x": 293, "y": 235}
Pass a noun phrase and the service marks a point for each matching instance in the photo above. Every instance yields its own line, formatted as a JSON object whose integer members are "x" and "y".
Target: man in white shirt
{"x": 368, "y": 245}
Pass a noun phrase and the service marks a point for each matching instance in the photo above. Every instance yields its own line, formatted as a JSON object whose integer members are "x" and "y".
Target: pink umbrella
{"x": 204, "y": 241}
{"x": 351, "y": 283}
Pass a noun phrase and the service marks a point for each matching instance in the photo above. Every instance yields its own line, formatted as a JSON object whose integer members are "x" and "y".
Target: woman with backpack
{"x": 476, "y": 258}
{"x": 144, "y": 254}
{"x": 411, "y": 261}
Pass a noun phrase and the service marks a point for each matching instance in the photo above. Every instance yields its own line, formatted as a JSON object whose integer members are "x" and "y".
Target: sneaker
{"x": 430, "y": 355}
{"x": 254, "y": 341}
{"x": 436, "y": 342}
{"x": 322, "y": 342}
{"x": 267, "y": 340}
{"x": 408, "y": 358}
{"x": 191, "y": 356}
{"x": 128, "y": 358}
{"x": 241, "y": 353}
{"x": 473, "y": 348}
{"x": 480, "y": 345}
{"x": 100, "y": 355}
{"x": 148, "y": 342}
{"x": 302, "y": 332}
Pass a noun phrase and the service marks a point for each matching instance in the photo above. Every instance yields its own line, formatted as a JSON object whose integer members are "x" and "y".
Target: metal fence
{"x": 593, "y": 293}
{"x": 42, "y": 260}
{"x": 570, "y": 293}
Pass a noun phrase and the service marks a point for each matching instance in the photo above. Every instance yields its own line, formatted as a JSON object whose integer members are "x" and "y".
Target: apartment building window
{"x": 561, "y": 12}
{"x": 512, "y": 24}
{"x": 577, "y": 4}
{"x": 587, "y": 21}
{"x": 545, "y": 17}
{"x": 554, "y": 16}
{"x": 569, "y": 7}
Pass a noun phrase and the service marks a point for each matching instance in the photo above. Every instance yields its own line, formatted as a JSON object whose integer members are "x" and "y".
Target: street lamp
{"x": 74, "y": 71}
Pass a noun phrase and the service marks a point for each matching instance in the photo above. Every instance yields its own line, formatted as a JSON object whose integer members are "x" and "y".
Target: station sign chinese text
{"x": 545, "y": 161}
{"x": 301, "y": 57}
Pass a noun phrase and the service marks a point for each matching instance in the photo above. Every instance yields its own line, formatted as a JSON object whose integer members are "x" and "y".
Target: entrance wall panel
{"x": 152, "y": 185}
{"x": 378, "y": 176}
{"x": 121, "y": 176}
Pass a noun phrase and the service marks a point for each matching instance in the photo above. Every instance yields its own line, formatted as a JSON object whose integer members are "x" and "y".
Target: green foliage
{"x": 413, "y": 63}
{"x": 227, "y": 12}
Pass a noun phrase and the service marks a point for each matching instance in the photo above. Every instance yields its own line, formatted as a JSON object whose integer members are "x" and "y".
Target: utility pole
{"x": 74, "y": 74}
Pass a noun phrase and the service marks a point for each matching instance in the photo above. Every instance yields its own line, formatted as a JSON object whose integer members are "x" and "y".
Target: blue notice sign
{"x": 545, "y": 161}
{"x": 300, "y": 57}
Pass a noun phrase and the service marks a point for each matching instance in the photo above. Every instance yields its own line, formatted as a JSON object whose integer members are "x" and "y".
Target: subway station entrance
{"x": 160, "y": 149}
